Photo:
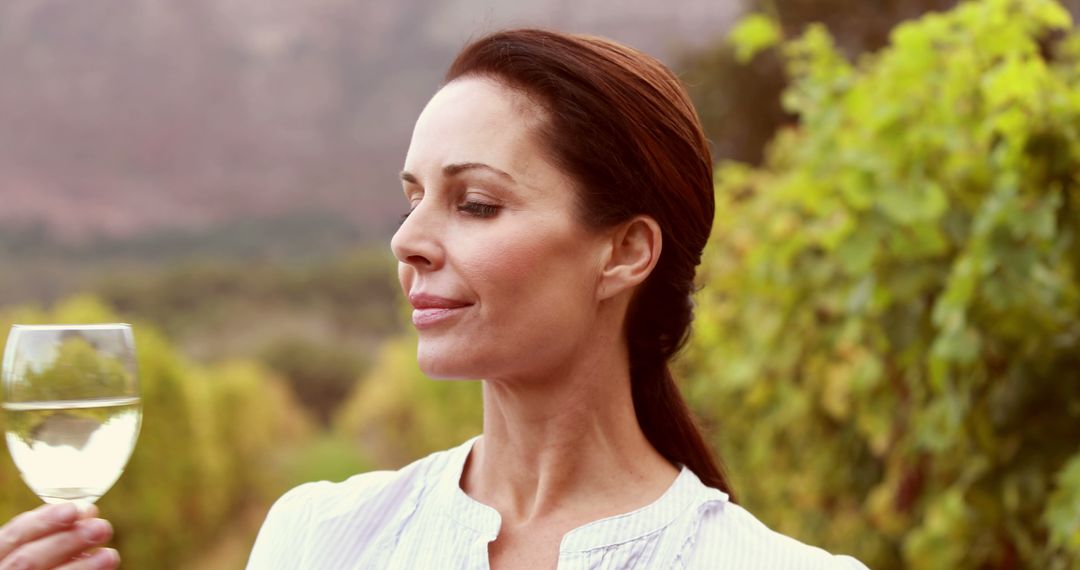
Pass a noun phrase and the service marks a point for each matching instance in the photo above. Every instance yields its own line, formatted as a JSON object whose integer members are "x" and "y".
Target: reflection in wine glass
{"x": 72, "y": 407}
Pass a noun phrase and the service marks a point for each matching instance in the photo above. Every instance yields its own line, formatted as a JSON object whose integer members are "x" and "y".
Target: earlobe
{"x": 631, "y": 256}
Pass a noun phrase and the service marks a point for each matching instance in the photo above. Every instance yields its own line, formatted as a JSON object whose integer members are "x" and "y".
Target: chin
{"x": 439, "y": 365}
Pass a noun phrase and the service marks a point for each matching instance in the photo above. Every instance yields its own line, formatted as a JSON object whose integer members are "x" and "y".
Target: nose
{"x": 416, "y": 241}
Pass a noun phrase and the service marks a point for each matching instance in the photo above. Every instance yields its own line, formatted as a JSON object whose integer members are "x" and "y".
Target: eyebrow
{"x": 458, "y": 168}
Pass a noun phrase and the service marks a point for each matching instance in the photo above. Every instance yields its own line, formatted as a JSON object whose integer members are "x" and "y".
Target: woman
{"x": 560, "y": 195}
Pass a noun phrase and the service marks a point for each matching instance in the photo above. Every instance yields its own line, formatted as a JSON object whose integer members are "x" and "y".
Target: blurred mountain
{"x": 120, "y": 118}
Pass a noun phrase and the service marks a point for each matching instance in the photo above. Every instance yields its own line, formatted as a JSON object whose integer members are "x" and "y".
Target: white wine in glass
{"x": 71, "y": 407}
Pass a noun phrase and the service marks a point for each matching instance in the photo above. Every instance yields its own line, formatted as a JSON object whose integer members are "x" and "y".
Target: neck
{"x": 570, "y": 438}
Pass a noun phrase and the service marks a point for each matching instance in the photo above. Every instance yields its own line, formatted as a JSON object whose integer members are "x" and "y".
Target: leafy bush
{"x": 397, "y": 414}
{"x": 320, "y": 375}
{"x": 740, "y": 121}
{"x": 889, "y": 334}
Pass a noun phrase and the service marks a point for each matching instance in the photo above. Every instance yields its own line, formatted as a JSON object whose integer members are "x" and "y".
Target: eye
{"x": 478, "y": 209}
{"x": 405, "y": 216}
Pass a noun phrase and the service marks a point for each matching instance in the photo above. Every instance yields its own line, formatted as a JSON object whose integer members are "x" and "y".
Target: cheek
{"x": 526, "y": 282}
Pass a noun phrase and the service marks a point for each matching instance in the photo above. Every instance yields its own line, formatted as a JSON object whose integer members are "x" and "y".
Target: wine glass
{"x": 72, "y": 408}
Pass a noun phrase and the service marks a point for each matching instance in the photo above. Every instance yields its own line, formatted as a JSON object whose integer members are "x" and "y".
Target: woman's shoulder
{"x": 331, "y": 499}
{"x": 730, "y": 533}
{"x": 355, "y": 509}
{"x": 325, "y": 497}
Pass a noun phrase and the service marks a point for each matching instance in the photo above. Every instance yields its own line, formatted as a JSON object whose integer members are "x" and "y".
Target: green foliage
{"x": 1063, "y": 510}
{"x": 315, "y": 324}
{"x": 398, "y": 414}
{"x": 350, "y": 295}
{"x": 327, "y": 458}
{"x": 889, "y": 332}
{"x": 753, "y": 34}
{"x": 320, "y": 375}
{"x": 736, "y": 83}
{"x": 210, "y": 440}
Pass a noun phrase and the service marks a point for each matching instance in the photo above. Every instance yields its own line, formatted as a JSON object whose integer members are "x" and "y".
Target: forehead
{"x": 478, "y": 120}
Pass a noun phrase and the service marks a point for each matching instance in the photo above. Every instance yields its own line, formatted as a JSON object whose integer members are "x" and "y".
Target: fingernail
{"x": 95, "y": 530}
{"x": 64, "y": 513}
{"x": 106, "y": 558}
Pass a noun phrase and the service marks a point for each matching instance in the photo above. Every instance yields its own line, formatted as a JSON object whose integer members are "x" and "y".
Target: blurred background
{"x": 887, "y": 348}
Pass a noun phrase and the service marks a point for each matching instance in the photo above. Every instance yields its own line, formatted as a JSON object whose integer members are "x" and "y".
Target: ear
{"x": 633, "y": 251}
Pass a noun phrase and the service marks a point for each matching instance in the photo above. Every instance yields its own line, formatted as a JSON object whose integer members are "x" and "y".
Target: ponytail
{"x": 670, "y": 427}
{"x": 657, "y": 328}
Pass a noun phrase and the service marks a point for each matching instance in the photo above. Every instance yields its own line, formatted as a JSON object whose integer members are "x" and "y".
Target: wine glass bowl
{"x": 72, "y": 408}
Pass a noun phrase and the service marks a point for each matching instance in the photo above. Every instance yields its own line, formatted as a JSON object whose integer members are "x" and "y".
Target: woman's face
{"x": 500, "y": 271}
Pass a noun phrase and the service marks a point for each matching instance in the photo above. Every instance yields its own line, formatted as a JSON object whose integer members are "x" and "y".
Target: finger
{"x": 100, "y": 559}
{"x": 35, "y": 524}
{"x": 59, "y": 547}
{"x": 87, "y": 510}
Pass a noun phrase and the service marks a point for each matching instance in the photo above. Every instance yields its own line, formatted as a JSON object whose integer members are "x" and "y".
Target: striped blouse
{"x": 418, "y": 517}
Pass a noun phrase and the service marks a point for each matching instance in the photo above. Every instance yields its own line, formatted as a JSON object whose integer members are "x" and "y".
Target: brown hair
{"x": 621, "y": 124}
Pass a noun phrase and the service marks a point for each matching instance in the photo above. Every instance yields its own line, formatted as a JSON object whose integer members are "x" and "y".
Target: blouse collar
{"x": 686, "y": 492}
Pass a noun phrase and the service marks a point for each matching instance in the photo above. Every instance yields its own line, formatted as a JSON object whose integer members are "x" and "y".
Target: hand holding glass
{"x": 71, "y": 401}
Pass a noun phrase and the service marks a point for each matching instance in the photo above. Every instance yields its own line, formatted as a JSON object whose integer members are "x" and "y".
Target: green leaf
{"x": 752, "y": 35}
{"x": 1062, "y": 514}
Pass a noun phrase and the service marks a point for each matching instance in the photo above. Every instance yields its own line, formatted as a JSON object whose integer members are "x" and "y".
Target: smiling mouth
{"x": 432, "y": 310}
{"x": 431, "y": 316}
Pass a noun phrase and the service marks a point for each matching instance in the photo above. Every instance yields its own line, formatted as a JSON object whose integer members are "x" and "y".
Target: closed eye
{"x": 479, "y": 209}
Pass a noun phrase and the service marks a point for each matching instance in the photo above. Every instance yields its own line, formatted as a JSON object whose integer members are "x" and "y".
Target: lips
{"x": 431, "y": 310}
